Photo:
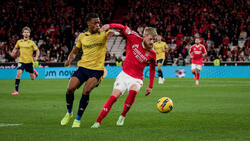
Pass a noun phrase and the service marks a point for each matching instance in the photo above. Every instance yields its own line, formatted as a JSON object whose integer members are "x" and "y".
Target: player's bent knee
{"x": 87, "y": 90}
{"x": 70, "y": 90}
{"x": 18, "y": 75}
{"x": 116, "y": 93}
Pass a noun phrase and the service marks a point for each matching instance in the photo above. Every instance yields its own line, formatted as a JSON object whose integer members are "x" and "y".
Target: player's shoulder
{"x": 84, "y": 33}
{"x": 20, "y": 40}
{"x": 193, "y": 46}
{"x": 31, "y": 41}
{"x": 201, "y": 45}
{"x": 163, "y": 42}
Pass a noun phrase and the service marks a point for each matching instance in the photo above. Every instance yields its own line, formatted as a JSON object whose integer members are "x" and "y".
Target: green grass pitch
{"x": 216, "y": 110}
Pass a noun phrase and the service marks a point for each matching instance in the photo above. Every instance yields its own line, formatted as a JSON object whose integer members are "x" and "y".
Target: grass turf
{"x": 216, "y": 110}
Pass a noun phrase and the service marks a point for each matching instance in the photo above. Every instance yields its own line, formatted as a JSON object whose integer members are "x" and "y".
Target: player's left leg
{"x": 134, "y": 89}
{"x": 29, "y": 68}
{"x": 193, "y": 68}
{"x": 197, "y": 77}
{"x": 90, "y": 84}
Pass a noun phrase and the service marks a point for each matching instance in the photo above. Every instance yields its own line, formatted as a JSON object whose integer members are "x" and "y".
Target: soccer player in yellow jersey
{"x": 160, "y": 47}
{"x": 26, "y": 47}
{"x": 90, "y": 68}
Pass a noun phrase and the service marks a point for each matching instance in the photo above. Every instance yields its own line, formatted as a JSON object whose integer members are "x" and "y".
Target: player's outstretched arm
{"x": 190, "y": 53}
{"x": 151, "y": 77}
{"x": 72, "y": 56}
{"x": 37, "y": 55}
{"x": 119, "y": 27}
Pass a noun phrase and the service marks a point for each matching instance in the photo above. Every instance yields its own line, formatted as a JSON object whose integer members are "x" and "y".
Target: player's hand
{"x": 110, "y": 34}
{"x": 148, "y": 91}
{"x": 191, "y": 56}
{"x": 105, "y": 27}
{"x": 66, "y": 63}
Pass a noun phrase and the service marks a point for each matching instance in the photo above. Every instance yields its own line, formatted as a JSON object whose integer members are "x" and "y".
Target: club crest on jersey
{"x": 147, "y": 53}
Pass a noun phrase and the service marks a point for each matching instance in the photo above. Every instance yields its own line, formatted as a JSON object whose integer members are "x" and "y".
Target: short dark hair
{"x": 91, "y": 15}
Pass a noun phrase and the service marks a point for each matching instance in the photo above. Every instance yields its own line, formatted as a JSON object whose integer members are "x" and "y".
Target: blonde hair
{"x": 26, "y": 28}
{"x": 150, "y": 31}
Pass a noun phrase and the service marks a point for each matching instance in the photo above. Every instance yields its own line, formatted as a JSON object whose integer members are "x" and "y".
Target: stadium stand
{"x": 223, "y": 25}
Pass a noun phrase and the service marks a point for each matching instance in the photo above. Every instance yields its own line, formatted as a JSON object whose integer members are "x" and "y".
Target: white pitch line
{"x": 9, "y": 124}
{"x": 201, "y": 85}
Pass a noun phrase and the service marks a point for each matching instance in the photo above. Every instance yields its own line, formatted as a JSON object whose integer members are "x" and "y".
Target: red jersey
{"x": 197, "y": 52}
{"x": 137, "y": 56}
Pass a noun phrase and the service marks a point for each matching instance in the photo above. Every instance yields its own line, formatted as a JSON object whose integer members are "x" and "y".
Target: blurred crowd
{"x": 223, "y": 25}
{"x": 54, "y": 24}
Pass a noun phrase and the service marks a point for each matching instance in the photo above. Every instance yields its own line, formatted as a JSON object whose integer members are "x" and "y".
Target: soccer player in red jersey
{"x": 139, "y": 53}
{"x": 197, "y": 52}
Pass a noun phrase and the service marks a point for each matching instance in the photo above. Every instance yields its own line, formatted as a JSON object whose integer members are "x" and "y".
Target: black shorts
{"x": 160, "y": 61}
{"x": 27, "y": 66}
{"x": 83, "y": 74}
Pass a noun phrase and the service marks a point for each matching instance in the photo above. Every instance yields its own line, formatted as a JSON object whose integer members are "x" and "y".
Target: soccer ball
{"x": 165, "y": 105}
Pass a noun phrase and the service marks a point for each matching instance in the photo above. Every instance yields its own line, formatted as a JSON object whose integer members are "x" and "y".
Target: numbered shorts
{"x": 124, "y": 81}
{"x": 28, "y": 67}
{"x": 195, "y": 66}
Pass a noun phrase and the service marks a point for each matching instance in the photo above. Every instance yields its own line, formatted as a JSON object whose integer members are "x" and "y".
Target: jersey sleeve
{"x": 204, "y": 50}
{"x": 78, "y": 42}
{"x": 125, "y": 30}
{"x": 152, "y": 71}
{"x": 17, "y": 45}
{"x": 34, "y": 46}
{"x": 165, "y": 46}
{"x": 191, "y": 50}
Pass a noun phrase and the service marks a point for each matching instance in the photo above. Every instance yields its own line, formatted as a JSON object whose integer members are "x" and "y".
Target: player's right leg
{"x": 107, "y": 107}
{"x": 18, "y": 76}
{"x": 74, "y": 83}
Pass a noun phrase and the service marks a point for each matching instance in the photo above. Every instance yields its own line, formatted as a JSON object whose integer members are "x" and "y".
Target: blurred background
{"x": 222, "y": 24}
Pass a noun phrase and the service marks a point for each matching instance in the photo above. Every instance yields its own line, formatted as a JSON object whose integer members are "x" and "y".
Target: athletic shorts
{"x": 28, "y": 67}
{"x": 195, "y": 66}
{"x": 124, "y": 81}
{"x": 83, "y": 74}
{"x": 160, "y": 61}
